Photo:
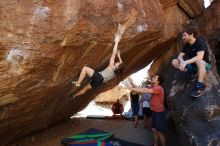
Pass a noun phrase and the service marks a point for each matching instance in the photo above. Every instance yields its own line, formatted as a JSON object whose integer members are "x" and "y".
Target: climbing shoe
{"x": 75, "y": 83}
{"x": 72, "y": 95}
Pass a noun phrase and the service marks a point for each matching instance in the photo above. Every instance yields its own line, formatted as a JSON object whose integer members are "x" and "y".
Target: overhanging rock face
{"x": 193, "y": 10}
{"x": 45, "y": 43}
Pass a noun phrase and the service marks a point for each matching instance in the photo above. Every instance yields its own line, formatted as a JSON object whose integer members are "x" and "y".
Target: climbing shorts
{"x": 147, "y": 111}
{"x": 159, "y": 121}
{"x": 135, "y": 108}
{"x": 96, "y": 80}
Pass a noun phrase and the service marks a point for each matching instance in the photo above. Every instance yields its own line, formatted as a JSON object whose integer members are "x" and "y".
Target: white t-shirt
{"x": 146, "y": 104}
{"x": 146, "y": 100}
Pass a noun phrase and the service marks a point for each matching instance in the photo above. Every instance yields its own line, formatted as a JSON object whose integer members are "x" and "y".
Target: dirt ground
{"x": 120, "y": 128}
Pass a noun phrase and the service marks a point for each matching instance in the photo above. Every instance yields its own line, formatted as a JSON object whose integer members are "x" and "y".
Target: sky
{"x": 207, "y": 3}
{"x": 139, "y": 76}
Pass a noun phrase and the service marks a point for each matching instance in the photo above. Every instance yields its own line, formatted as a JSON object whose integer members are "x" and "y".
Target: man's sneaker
{"x": 199, "y": 89}
{"x": 75, "y": 83}
{"x": 197, "y": 93}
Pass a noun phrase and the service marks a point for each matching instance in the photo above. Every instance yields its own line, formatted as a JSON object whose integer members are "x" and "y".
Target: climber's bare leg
{"x": 85, "y": 71}
{"x": 83, "y": 90}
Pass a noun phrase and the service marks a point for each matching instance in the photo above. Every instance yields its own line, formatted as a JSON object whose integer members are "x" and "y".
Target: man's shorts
{"x": 159, "y": 121}
{"x": 96, "y": 80}
{"x": 135, "y": 108}
{"x": 193, "y": 67}
{"x": 147, "y": 111}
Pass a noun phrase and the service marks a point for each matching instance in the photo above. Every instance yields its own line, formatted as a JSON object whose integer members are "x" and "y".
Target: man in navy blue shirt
{"x": 194, "y": 58}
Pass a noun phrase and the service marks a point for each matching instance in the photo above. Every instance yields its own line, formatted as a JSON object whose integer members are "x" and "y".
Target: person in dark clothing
{"x": 134, "y": 97}
{"x": 196, "y": 55}
{"x": 117, "y": 108}
{"x": 135, "y": 106}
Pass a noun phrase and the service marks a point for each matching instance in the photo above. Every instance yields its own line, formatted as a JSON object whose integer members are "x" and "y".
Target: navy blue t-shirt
{"x": 199, "y": 45}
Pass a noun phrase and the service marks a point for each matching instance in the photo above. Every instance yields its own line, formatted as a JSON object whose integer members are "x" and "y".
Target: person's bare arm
{"x": 141, "y": 90}
{"x": 132, "y": 83}
{"x": 182, "y": 62}
{"x": 180, "y": 57}
{"x": 121, "y": 29}
{"x": 119, "y": 57}
{"x": 199, "y": 55}
{"x": 114, "y": 52}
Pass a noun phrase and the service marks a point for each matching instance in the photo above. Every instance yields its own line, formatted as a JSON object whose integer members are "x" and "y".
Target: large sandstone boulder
{"x": 197, "y": 121}
{"x": 194, "y": 9}
{"x": 111, "y": 96}
{"x": 209, "y": 24}
{"x": 45, "y": 43}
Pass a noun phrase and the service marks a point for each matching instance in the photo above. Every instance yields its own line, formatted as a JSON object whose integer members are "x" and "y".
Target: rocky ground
{"x": 120, "y": 128}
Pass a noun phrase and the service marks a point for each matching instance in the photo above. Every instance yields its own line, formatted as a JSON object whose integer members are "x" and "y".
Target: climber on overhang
{"x": 99, "y": 78}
